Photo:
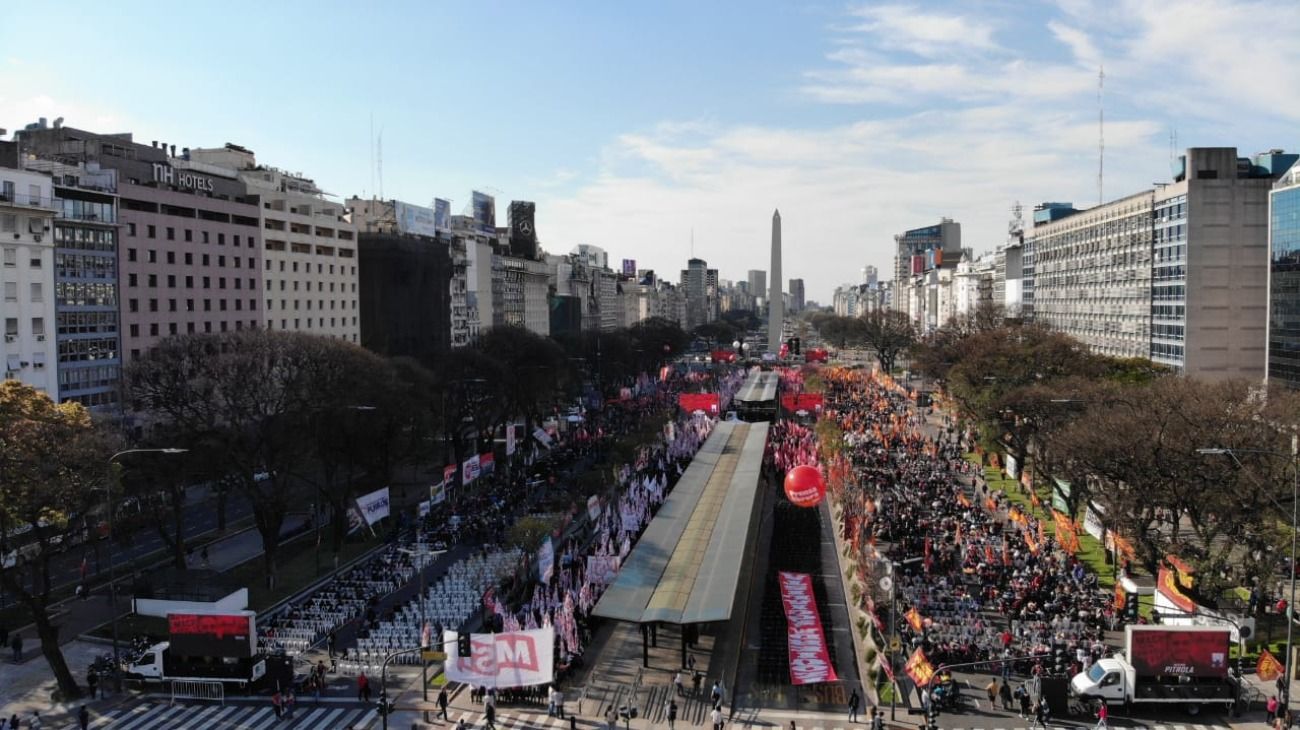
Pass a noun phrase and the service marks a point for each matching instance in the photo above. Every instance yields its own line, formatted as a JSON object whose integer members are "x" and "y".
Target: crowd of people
{"x": 977, "y": 580}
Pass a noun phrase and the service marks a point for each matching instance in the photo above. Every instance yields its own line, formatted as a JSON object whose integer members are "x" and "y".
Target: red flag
{"x": 919, "y": 668}
{"x": 1268, "y": 668}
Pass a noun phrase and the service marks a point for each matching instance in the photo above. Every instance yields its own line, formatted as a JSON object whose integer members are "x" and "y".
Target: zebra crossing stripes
{"x": 151, "y": 716}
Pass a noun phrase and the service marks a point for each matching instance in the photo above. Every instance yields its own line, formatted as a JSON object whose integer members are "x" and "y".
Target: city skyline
{"x": 858, "y": 122}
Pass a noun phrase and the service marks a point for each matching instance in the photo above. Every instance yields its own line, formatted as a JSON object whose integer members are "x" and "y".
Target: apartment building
{"x": 27, "y": 212}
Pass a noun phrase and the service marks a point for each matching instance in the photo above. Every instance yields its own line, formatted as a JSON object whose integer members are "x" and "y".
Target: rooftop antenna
{"x": 371, "y": 141}
{"x": 380, "y": 163}
{"x": 1101, "y": 134}
{"x": 692, "y": 241}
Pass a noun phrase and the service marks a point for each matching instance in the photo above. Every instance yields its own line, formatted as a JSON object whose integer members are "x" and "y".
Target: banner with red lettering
{"x": 510, "y": 659}
{"x": 811, "y": 402}
{"x": 810, "y": 662}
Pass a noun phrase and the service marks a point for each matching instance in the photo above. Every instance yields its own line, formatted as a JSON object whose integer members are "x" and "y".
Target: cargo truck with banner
{"x": 1179, "y": 665}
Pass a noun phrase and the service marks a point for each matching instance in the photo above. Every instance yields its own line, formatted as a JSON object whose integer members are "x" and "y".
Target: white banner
{"x": 423, "y": 508}
{"x": 469, "y": 470}
{"x": 1092, "y": 523}
{"x": 593, "y": 507}
{"x": 542, "y": 437}
{"x": 438, "y": 493}
{"x": 510, "y": 439}
{"x": 374, "y": 506}
{"x": 510, "y": 659}
{"x": 546, "y": 560}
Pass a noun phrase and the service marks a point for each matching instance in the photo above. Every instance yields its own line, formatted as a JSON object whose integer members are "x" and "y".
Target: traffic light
{"x": 1131, "y": 607}
{"x": 1060, "y": 660}
{"x": 462, "y": 646}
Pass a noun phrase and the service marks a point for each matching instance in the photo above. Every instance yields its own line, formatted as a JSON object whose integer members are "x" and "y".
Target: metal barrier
{"x": 191, "y": 689}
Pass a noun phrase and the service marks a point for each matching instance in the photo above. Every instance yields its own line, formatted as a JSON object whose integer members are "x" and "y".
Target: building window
{"x": 221, "y": 239}
{"x": 171, "y": 257}
{"x": 207, "y": 305}
{"x": 153, "y": 305}
{"x": 153, "y": 256}
{"x": 171, "y": 281}
{"x": 131, "y": 280}
{"x": 205, "y": 236}
{"x": 189, "y": 259}
{"x": 153, "y": 329}
{"x": 189, "y": 235}
{"x": 171, "y": 305}
{"x": 153, "y": 280}
{"x": 189, "y": 282}
{"x": 134, "y": 330}
{"x": 171, "y": 328}
{"x": 130, "y": 229}
{"x": 134, "y": 305}
{"x": 205, "y": 259}
{"x": 189, "y": 305}
{"x": 171, "y": 233}
{"x": 130, "y": 254}
{"x": 38, "y": 293}
{"x": 152, "y": 231}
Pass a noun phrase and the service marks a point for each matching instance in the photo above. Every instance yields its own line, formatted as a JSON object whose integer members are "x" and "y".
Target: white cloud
{"x": 1079, "y": 42}
{"x": 908, "y": 28}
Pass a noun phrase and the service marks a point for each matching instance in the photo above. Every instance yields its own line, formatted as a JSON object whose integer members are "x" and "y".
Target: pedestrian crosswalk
{"x": 161, "y": 716}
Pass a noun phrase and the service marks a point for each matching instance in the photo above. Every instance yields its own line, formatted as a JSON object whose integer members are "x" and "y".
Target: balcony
{"x": 24, "y": 200}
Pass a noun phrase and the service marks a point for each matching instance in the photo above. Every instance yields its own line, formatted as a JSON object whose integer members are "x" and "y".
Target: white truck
{"x": 208, "y": 647}
{"x": 1182, "y": 665}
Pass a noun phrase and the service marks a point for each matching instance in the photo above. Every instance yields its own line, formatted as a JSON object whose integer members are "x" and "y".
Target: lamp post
{"x": 108, "y": 504}
{"x": 1295, "y": 525}
{"x": 422, "y": 555}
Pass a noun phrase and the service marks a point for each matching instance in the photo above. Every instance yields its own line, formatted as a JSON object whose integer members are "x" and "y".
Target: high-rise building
{"x": 757, "y": 280}
{"x": 190, "y": 236}
{"x": 1177, "y": 273}
{"x": 85, "y": 282}
{"x": 796, "y": 295}
{"x": 309, "y": 247}
{"x": 870, "y": 275}
{"x": 1284, "y": 280}
{"x": 27, "y": 273}
{"x": 695, "y": 287}
{"x": 924, "y": 261}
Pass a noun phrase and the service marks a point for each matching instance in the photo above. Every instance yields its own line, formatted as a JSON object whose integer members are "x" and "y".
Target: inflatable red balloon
{"x": 805, "y": 486}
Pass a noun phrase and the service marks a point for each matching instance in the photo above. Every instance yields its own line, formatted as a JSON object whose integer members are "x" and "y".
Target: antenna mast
{"x": 1101, "y": 135}
{"x": 372, "y": 155}
{"x": 380, "y": 163}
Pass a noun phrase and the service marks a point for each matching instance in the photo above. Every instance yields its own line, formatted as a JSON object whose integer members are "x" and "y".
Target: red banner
{"x": 1268, "y": 668}
{"x": 1167, "y": 585}
{"x": 811, "y": 402}
{"x": 692, "y": 402}
{"x": 810, "y": 662}
{"x": 1184, "y": 651}
{"x": 919, "y": 668}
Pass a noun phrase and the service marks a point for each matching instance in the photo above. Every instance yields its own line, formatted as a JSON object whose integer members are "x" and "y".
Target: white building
{"x": 309, "y": 248}
{"x": 27, "y": 274}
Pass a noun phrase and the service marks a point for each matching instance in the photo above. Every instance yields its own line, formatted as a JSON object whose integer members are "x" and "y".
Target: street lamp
{"x": 1295, "y": 525}
{"x": 423, "y": 563}
{"x": 108, "y": 503}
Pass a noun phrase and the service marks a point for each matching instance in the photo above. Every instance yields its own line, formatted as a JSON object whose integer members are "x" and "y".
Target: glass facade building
{"x": 1284, "y": 281}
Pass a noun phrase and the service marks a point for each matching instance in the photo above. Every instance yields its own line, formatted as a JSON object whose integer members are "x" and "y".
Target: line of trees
{"x": 1127, "y": 435}
{"x": 886, "y": 332}
{"x": 281, "y": 419}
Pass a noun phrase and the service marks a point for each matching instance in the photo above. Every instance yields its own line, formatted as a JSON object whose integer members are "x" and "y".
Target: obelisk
{"x": 775, "y": 289}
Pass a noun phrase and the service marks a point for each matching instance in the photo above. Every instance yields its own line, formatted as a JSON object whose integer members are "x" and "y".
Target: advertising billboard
{"x": 1170, "y": 652}
{"x": 441, "y": 214}
{"x": 374, "y": 506}
{"x": 485, "y": 211}
{"x": 692, "y": 402}
{"x": 629, "y": 267}
{"x": 415, "y": 220}
{"x": 214, "y": 635}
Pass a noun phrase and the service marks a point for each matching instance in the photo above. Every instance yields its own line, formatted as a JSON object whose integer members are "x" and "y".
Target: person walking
{"x": 672, "y": 713}
{"x": 1102, "y": 714}
{"x": 855, "y": 701}
{"x": 877, "y": 720}
{"x": 992, "y": 690}
{"x": 83, "y": 717}
{"x": 35, "y": 723}
{"x": 715, "y": 695}
{"x": 1023, "y": 695}
{"x": 611, "y": 718}
{"x": 363, "y": 688}
{"x": 550, "y": 701}
{"x": 559, "y": 703}
{"x": 442, "y": 704}
{"x": 716, "y": 718}
{"x": 490, "y": 716}
{"x": 16, "y": 643}
{"x": 289, "y": 702}
{"x": 277, "y": 704}
{"x": 1004, "y": 692}
{"x": 1271, "y": 706}
{"x": 677, "y": 682}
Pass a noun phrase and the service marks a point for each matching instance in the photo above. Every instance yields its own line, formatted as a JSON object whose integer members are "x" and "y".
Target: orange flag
{"x": 1268, "y": 668}
{"x": 963, "y": 500}
{"x": 914, "y": 618}
{"x": 919, "y": 668}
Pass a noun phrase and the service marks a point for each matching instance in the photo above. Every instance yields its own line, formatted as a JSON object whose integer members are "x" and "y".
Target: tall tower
{"x": 776, "y": 298}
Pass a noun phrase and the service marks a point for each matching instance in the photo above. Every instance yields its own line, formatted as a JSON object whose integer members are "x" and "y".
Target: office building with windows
{"x": 1284, "y": 280}
{"x": 190, "y": 244}
{"x": 85, "y": 282}
{"x": 1176, "y": 274}
{"x": 27, "y": 213}
{"x": 309, "y": 248}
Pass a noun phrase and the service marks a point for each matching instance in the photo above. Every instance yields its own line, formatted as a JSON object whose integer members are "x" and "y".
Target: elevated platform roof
{"x": 686, "y": 566}
{"x": 758, "y": 387}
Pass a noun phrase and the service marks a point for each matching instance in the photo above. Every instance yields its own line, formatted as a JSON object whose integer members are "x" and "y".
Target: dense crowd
{"x": 977, "y": 580}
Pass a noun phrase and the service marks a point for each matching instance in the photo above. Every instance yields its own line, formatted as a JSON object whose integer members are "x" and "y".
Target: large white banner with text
{"x": 374, "y": 506}
{"x": 510, "y": 659}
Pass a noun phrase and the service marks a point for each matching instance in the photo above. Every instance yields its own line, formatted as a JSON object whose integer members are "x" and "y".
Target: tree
{"x": 656, "y": 341}
{"x": 1143, "y": 452}
{"x": 52, "y": 460}
{"x": 720, "y": 332}
{"x": 534, "y": 370}
{"x": 246, "y": 398}
{"x": 469, "y": 386}
{"x": 840, "y": 331}
{"x": 889, "y": 333}
{"x": 942, "y": 349}
{"x": 157, "y": 487}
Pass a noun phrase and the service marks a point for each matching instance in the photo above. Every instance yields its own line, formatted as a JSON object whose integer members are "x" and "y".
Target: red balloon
{"x": 805, "y": 486}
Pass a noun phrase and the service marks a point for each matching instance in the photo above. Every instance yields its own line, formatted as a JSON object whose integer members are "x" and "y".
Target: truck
{"x": 205, "y": 647}
{"x": 1173, "y": 665}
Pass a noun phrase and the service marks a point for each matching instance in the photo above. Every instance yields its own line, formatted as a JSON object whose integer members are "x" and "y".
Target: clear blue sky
{"x": 632, "y": 124}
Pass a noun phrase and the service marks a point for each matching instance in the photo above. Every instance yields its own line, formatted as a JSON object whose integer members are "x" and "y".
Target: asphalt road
{"x": 200, "y": 517}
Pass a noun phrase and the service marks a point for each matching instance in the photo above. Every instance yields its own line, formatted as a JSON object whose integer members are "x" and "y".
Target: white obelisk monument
{"x": 775, "y": 289}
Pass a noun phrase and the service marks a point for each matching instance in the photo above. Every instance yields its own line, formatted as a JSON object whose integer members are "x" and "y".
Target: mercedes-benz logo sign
{"x": 526, "y": 228}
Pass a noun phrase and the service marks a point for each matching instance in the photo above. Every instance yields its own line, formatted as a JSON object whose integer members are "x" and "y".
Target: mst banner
{"x": 511, "y": 659}
{"x": 810, "y": 662}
